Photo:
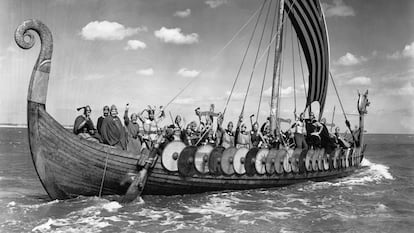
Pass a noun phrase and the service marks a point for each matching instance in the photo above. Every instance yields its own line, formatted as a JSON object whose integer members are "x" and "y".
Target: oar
{"x": 137, "y": 186}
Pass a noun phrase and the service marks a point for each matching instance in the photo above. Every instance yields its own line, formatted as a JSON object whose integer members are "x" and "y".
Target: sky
{"x": 144, "y": 52}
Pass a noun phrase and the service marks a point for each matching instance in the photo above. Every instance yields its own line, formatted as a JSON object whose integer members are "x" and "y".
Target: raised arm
{"x": 126, "y": 118}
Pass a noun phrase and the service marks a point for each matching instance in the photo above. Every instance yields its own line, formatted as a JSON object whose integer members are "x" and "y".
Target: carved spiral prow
{"x": 25, "y": 39}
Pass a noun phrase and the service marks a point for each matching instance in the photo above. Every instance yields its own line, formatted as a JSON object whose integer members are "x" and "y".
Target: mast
{"x": 274, "y": 104}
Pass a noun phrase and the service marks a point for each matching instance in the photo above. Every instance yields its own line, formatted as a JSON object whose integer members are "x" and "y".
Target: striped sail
{"x": 309, "y": 24}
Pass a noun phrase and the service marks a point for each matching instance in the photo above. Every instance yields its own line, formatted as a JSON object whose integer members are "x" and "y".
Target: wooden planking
{"x": 75, "y": 167}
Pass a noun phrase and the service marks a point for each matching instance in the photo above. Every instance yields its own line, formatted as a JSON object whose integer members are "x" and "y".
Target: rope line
{"x": 103, "y": 175}
{"x": 244, "y": 58}
{"x": 213, "y": 58}
{"x": 235, "y": 35}
{"x": 267, "y": 63}
{"x": 255, "y": 60}
{"x": 342, "y": 107}
{"x": 293, "y": 68}
{"x": 301, "y": 68}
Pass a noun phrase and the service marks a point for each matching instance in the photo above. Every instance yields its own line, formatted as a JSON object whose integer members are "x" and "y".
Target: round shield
{"x": 315, "y": 158}
{"x": 335, "y": 158}
{"x": 348, "y": 153}
{"x": 260, "y": 163}
{"x": 214, "y": 163}
{"x": 250, "y": 161}
{"x": 343, "y": 158}
{"x": 308, "y": 161}
{"x": 170, "y": 155}
{"x": 325, "y": 161}
{"x": 320, "y": 159}
{"x": 186, "y": 161}
{"x": 270, "y": 161}
{"x": 281, "y": 154}
{"x": 357, "y": 156}
{"x": 240, "y": 160}
{"x": 294, "y": 160}
{"x": 287, "y": 160}
{"x": 201, "y": 158}
{"x": 302, "y": 159}
{"x": 227, "y": 161}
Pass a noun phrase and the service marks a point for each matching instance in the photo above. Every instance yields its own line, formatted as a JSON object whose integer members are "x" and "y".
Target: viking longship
{"x": 69, "y": 166}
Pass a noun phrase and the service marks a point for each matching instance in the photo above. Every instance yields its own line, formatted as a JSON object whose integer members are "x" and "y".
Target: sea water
{"x": 377, "y": 198}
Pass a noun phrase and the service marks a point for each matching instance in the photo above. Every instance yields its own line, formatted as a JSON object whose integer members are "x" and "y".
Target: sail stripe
{"x": 309, "y": 23}
{"x": 308, "y": 45}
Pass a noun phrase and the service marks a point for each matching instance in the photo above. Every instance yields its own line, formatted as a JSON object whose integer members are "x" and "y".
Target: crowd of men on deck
{"x": 143, "y": 130}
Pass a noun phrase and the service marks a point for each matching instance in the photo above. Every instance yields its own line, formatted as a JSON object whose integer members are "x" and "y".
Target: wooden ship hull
{"x": 69, "y": 166}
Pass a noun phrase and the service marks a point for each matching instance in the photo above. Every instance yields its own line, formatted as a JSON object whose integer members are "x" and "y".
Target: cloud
{"x": 407, "y": 89}
{"x": 349, "y": 59}
{"x": 183, "y": 14}
{"x": 215, "y": 3}
{"x": 134, "y": 45}
{"x": 285, "y": 92}
{"x": 359, "y": 81}
{"x": 338, "y": 8}
{"x": 184, "y": 72}
{"x": 146, "y": 72}
{"x": 407, "y": 52}
{"x": 93, "y": 76}
{"x": 104, "y": 30}
{"x": 175, "y": 36}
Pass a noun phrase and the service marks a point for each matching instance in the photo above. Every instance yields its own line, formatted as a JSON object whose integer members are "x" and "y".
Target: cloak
{"x": 113, "y": 132}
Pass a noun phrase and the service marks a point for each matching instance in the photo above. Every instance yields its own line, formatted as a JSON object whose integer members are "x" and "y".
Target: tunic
{"x": 86, "y": 127}
{"x": 134, "y": 142}
{"x": 113, "y": 133}
{"x": 243, "y": 140}
{"x": 256, "y": 139}
{"x": 227, "y": 139}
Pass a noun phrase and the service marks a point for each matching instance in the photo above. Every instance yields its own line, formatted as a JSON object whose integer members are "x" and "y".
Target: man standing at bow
{"x": 113, "y": 132}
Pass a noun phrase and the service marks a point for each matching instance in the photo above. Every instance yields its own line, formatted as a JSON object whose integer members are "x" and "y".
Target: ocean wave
{"x": 88, "y": 219}
{"x": 373, "y": 173}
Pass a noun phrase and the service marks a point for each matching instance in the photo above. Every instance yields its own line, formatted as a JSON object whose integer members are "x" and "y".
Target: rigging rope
{"x": 293, "y": 67}
{"x": 215, "y": 56}
{"x": 255, "y": 60}
{"x": 342, "y": 107}
{"x": 235, "y": 35}
{"x": 267, "y": 63}
{"x": 301, "y": 68}
{"x": 244, "y": 58}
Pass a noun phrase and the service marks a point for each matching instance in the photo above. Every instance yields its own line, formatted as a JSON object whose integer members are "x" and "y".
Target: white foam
{"x": 44, "y": 227}
{"x": 379, "y": 169}
{"x": 221, "y": 206}
{"x": 112, "y": 206}
{"x": 11, "y": 204}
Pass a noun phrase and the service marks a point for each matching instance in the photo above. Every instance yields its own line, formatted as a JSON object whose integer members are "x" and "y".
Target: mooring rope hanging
{"x": 267, "y": 63}
{"x": 103, "y": 175}
{"x": 244, "y": 58}
{"x": 255, "y": 60}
